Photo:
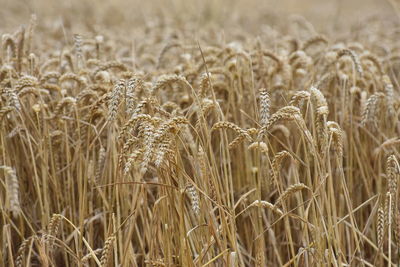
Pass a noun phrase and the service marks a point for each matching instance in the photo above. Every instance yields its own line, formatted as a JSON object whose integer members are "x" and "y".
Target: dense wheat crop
{"x": 229, "y": 136}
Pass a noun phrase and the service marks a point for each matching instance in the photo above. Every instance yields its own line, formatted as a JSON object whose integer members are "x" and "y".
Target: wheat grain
{"x": 266, "y": 204}
{"x": 134, "y": 156}
{"x": 194, "y": 199}
{"x": 314, "y": 40}
{"x": 336, "y": 134}
{"x": 168, "y": 80}
{"x": 354, "y": 58}
{"x": 115, "y": 99}
{"x": 389, "y": 96}
{"x": 13, "y": 99}
{"x": 381, "y": 226}
{"x": 100, "y": 165}
{"x": 13, "y": 190}
{"x": 369, "y": 116}
{"x": 287, "y": 113}
{"x": 109, "y": 65}
{"x": 107, "y": 250}
{"x": 21, "y": 250}
{"x": 264, "y": 107}
{"x": 291, "y": 190}
{"x": 298, "y": 98}
{"x": 232, "y": 126}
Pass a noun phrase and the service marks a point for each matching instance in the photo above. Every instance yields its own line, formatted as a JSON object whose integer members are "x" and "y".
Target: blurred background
{"x": 249, "y": 14}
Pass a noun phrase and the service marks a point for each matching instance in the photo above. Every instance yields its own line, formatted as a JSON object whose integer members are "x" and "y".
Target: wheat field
{"x": 199, "y": 133}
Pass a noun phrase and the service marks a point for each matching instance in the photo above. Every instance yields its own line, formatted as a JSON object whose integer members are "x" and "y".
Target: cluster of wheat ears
{"x": 280, "y": 150}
